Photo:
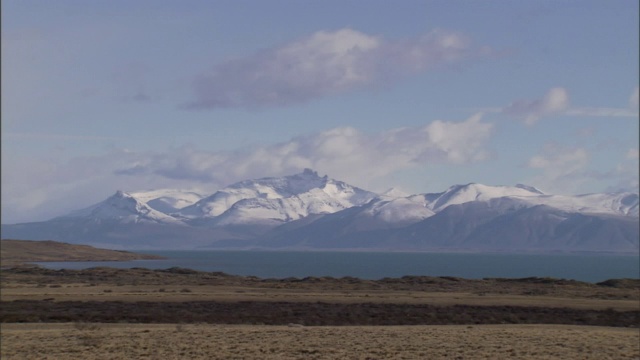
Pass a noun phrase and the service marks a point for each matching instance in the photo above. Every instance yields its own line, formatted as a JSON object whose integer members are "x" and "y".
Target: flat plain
{"x": 106, "y": 313}
{"x": 19, "y": 252}
{"x": 206, "y": 341}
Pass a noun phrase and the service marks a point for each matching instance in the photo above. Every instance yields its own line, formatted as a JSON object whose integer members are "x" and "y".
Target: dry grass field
{"x": 106, "y": 313}
{"x": 184, "y": 285}
{"x": 199, "y": 341}
{"x": 19, "y": 252}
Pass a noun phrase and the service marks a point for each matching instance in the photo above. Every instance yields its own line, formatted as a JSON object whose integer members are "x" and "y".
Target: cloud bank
{"x": 556, "y": 102}
{"x": 345, "y": 152}
{"x": 325, "y": 63}
{"x": 50, "y": 189}
{"x": 563, "y": 169}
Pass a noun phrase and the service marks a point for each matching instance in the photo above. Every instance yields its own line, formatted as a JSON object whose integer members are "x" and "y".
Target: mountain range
{"x": 310, "y": 212}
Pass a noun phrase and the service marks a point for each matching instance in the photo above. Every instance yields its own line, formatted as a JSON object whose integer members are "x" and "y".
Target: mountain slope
{"x": 275, "y": 200}
{"x": 502, "y": 224}
{"x": 167, "y": 200}
{"x": 307, "y": 211}
{"x": 609, "y": 203}
{"x": 460, "y": 194}
{"x": 485, "y": 226}
{"x": 122, "y": 208}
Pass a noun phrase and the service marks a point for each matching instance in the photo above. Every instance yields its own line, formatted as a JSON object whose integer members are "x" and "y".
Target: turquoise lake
{"x": 377, "y": 265}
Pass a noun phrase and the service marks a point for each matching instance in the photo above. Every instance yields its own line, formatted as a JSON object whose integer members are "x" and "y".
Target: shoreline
{"x": 28, "y": 252}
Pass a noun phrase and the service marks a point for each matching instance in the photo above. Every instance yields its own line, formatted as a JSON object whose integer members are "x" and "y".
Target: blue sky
{"x": 99, "y": 96}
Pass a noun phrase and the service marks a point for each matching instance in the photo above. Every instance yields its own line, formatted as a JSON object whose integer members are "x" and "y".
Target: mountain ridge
{"x": 306, "y": 210}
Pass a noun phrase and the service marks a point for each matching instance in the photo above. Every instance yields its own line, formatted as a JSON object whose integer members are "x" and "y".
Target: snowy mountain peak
{"x": 277, "y": 199}
{"x": 167, "y": 200}
{"x": 612, "y": 203}
{"x": 602, "y": 203}
{"x": 278, "y": 187}
{"x": 308, "y": 210}
{"x": 310, "y": 173}
{"x": 122, "y": 207}
{"x": 397, "y": 211}
{"x": 529, "y": 188}
{"x": 459, "y": 194}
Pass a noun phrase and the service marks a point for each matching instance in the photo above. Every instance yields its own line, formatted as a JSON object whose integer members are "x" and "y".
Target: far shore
{"x": 26, "y": 252}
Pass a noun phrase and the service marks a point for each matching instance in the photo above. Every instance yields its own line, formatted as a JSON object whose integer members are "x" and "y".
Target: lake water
{"x": 377, "y": 265}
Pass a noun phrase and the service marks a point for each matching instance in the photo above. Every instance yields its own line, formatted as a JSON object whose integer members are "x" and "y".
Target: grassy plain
{"x": 184, "y": 285}
{"x": 205, "y": 341}
{"x": 106, "y": 313}
{"x": 19, "y": 252}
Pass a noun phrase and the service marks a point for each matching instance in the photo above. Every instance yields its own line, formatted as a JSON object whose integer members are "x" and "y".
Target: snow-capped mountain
{"x": 308, "y": 211}
{"x": 475, "y": 217}
{"x": 499, "y": 224}
{"x": 602, "y": 203}
{"x": 167, "y": 200}
{"x": 276, "y": 200}
{"x": 460, "y": 194}
{"x": 612, "y": 203}
{"x": 124, "y": 208}
{"x": 398, "y": 211}
{"x": 394, "y": 211}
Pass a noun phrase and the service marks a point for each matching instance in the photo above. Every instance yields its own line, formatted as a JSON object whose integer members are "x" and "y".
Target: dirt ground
{"x": 200, "y": 341}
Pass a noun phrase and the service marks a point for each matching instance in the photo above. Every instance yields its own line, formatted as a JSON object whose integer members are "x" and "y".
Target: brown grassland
{"x": 208, "y": 341}
{"x": 17, "y": 252}
{"x": 106, "y": 313}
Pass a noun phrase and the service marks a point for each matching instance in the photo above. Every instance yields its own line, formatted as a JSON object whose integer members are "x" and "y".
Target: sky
{"x": 418, "y": 95}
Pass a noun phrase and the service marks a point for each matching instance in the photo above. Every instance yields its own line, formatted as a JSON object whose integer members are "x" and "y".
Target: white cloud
{"x": 563, "y": 169}
{"x": 38, "y": 189}
{"x": 626, "y": 172}
{"x": 344, "y": 153}
{"x": 49, "y": 188}
{"x": 601, "y": 112}
{"x": 555, "y": 101}
{"x": 462, "y": 142}
{"x": 322, "y": 64}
